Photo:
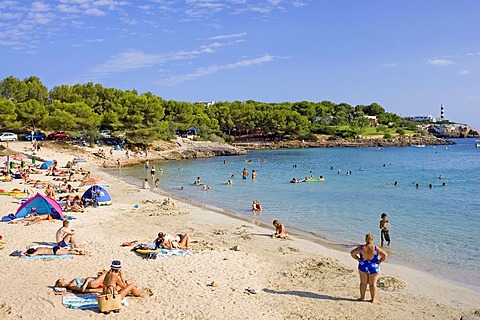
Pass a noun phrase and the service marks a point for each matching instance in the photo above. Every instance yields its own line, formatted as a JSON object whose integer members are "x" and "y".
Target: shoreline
{"x": 296, "y": 278}
{"x": 299, "y": 232}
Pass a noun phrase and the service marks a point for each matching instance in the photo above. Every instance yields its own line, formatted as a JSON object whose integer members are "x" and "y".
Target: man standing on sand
{"x": 66, "y": 236}
{"x": 385, "y": 227}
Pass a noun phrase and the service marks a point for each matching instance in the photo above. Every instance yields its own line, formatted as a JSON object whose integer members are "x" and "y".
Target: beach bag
{"x": 109, "y": 301}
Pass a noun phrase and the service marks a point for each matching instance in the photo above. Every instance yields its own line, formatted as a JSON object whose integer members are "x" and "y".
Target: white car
{"x": 8, "y": 136}
{"x": 105, "y": 133}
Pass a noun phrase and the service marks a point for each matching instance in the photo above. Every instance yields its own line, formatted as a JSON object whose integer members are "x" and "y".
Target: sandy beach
{"x": 294, "y": 278}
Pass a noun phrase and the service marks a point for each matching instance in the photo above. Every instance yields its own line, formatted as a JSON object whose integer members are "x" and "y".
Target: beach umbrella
{"x": 6, "y": 152}
{"x": 90, "y": 182}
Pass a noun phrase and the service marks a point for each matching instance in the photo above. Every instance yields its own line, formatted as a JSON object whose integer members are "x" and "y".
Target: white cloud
{"x": 7, "y": 4}
{"x": 390, "y": 65}
{"x": 9, "y": 15}
{"x": 38, "y": 6}
{"x": 464, "y": 72}
{"x": 228, "y": 36}
{"x": 201, "y": 72}
{"x": 473, "y": 54}
{"x": 440, "y": 62}
{"x": 135, "y": 59}
{"x": 298, "y": 4}
{"x": 93, "y": 40}
{"x": 65, "y": 8}
{"x": 95, "y": 12}
{"x": 40, "y": 18}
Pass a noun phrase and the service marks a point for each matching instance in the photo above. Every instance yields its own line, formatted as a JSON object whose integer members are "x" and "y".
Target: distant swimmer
{"x": 244, "y": 173}
{"x": 339, "y": 171}
{"x": 321, "y": 178}
{"x": 229, "y": 182}
{"x": 440, "y": 177}
{"x": 198, "y": 182}
{"x": 417, "y": 185}
{"x": 254, "y": 174}
{"x": 430, "y": 185}
{"x": 256, "y": 206}
{"x": 396, "y": 183}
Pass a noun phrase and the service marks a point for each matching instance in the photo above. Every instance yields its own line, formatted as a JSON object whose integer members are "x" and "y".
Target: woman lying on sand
{"x": 166, "y": 241}
{"x": 33, "y": 219}
{"x": 56, "y": 250}
{"x": 89, "y": 284}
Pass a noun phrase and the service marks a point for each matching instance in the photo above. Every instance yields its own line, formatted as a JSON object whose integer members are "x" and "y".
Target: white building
{"x": 423, "y": 118}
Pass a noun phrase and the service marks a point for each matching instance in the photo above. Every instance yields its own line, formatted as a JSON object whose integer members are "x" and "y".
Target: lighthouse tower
{"x": 442, "y": 112}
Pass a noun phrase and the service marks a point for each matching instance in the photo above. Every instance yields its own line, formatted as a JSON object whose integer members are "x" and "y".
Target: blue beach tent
{"x": 46, "y": 164}
{"x": 103, "y": 196}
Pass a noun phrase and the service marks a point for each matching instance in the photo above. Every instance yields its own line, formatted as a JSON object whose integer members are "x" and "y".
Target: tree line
{"x": 28, "y": 105}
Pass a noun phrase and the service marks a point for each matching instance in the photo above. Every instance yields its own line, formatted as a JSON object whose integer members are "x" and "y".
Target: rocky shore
{"x": 187, "y": 149}
{"x": 333, "y": 142}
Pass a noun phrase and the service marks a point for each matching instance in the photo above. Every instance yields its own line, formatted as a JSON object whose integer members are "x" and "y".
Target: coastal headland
{"x": 236, "y": 270}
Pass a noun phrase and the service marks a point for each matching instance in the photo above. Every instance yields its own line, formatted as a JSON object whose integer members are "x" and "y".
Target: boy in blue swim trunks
{"x": 66, "y": 236}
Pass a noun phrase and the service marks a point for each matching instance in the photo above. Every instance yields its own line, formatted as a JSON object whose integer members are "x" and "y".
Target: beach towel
{"x": 49, "y": 256}
{"x": 164, "y": 253}
{"x": 83, "y": 301}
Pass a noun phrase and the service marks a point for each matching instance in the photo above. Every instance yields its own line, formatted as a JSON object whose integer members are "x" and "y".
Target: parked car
{"x": 8, "y": 136}
{"x": 59, "y": 135}
{"x": 35, "y": 136}
{"x": 105, "y": 134}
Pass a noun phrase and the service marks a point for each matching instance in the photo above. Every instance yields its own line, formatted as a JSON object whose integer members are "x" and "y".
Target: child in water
{"x": 280, "y": 231}
{"x": 384, "y": 227}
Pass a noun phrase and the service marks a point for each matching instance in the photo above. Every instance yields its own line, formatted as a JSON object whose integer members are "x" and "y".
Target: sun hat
{"x": 116, "y": 265}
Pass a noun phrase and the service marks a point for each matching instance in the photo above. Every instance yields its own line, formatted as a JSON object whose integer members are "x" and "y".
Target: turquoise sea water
{"x": 433, "y": 229}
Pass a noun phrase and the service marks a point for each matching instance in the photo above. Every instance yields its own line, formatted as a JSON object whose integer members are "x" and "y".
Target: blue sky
{"x": 408, "y": 56}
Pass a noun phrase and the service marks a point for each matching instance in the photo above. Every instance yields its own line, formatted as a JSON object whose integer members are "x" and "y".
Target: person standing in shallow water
{"x": 385, "y": 228}
{"x": 152, "y": 173}
{"x": 369, "y": 258}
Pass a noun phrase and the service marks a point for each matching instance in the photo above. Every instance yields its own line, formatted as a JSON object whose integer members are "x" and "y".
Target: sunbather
{"x": 33, "y": 219}
{"x": 56, "y": 250}
{"x": 65, "y": 235}
{"x": 114, "y": 278}
{"x": 89, "y": 284}
{"x": 166, "y": 241}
